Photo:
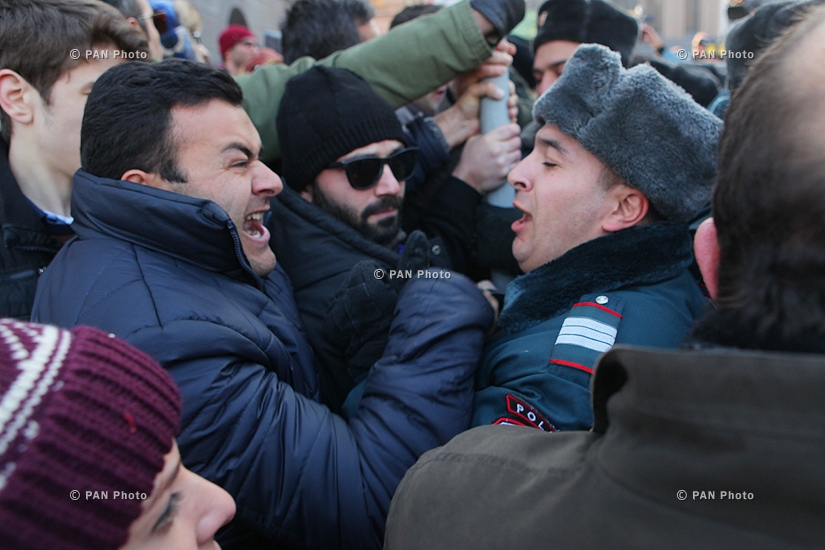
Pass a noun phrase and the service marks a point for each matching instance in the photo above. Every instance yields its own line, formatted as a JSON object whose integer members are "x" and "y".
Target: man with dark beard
{"x": 345, "y": 162}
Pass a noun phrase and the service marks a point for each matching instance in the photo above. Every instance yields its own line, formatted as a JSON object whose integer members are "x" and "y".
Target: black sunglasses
{"x": 364, "y": 173}
{"x": 158, "y": 17}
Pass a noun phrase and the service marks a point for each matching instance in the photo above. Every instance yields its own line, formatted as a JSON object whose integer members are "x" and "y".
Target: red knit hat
{"x": 231, "y": 35}
{"x": 85, "y": 421}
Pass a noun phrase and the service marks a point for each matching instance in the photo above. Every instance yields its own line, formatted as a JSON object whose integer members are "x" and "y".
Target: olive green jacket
{"x": 401, "y": 66}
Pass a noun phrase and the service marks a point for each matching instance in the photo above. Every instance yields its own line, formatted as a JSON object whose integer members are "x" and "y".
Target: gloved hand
{"x": 359, "y": 319}
{"x": 503, "y": 14}
{"x": 416, "y": 255}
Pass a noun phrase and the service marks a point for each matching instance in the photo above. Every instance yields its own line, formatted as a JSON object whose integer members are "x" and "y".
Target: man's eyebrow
{"x": 555, "y": 64}
{"x": 555, "y": 144}
{"x": 166, "y": 484}
{"x": 373, "y": 155}
{"x": 551, "y": 65}
{"x": 240, "y": 147}
{"x": 172, "y": 478}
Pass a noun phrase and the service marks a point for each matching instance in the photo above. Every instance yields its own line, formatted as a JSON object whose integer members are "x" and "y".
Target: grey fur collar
{"x": 639, "y": 255}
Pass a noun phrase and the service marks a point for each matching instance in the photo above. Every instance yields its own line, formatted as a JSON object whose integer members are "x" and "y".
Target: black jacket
{"x": 26, "y": 246}
{"x": 317, "y": 251}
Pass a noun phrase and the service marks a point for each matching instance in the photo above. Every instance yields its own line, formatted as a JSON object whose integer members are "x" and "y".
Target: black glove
{"x": 358, "y": 321}
{"x": 503, "y": 14}
{"x": 416, "y": 256}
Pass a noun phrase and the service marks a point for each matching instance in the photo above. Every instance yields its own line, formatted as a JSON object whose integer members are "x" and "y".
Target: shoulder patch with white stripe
{"x": 588, "y": 330}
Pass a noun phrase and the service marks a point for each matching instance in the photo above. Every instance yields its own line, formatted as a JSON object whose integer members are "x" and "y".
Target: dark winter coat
{"x": 630, "y": 287}
{"x": 25, "y": 246}
{"x": 690, "y": 450}
{"x": 433, "y": 149}
{"x": 167, "y": 273}
{"x": 317, "y": 251}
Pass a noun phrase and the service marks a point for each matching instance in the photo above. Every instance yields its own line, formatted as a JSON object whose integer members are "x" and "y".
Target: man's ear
{"x": 146, "y": 178}
{"x": 306, "y": 193}
{"x": 706, "y": 250}
{"x": 16, "y": 97}
{"x": 626, "y": 207}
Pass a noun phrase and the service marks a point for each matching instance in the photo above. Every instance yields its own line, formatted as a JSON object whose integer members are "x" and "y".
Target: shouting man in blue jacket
{"x": 173, "y": 256}
{"x": 623, "y": 161}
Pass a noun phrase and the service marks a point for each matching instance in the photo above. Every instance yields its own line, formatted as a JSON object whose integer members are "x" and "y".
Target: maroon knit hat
{"x": 231, "y": 35}
{"x": 85, "y": 421}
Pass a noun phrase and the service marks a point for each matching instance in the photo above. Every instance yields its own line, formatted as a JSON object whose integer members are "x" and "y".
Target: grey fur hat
{"x": 643, "y": 127}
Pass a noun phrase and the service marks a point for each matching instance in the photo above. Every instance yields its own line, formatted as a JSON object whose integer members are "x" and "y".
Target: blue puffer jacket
{"x": 166, "y": 273}
{"x": 630, "y": 287}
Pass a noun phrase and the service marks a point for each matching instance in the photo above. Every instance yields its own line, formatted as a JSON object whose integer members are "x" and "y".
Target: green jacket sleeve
{"x": 402, "y": 65}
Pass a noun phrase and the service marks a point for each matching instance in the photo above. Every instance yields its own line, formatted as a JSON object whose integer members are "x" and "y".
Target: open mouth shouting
{"x": 253, "y": 227}
{"x": 522, "y": 222}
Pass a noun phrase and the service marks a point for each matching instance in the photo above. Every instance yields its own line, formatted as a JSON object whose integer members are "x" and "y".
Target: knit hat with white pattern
{"x": 85, "y": 422}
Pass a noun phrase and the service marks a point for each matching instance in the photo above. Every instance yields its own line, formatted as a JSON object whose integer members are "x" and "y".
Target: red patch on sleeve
{"x": 527, "y": 415}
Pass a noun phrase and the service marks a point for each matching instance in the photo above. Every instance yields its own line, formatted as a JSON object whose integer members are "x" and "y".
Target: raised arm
{"x": 413, "y": 59}
{"x": 302, "y": 476}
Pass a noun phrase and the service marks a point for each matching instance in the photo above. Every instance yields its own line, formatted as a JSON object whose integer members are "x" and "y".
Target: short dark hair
{"x": 317, "y": 28}
{"x": 769, "y": 202}
{"x": 37, "y": 36}
{"x": 129, "y": 8}
{"x": 128, "y": 119}
{"x": 609, "y": 179}
{"x": 361, "y": 11}
{"x": 413, "y": 12}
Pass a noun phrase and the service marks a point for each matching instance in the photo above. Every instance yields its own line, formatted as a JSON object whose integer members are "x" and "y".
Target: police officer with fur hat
{"x": 623, "y": 161}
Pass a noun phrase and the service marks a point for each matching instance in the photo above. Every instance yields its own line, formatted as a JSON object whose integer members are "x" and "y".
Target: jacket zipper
{"x": 240, "y": 253}
{"x": 20, "y": 275}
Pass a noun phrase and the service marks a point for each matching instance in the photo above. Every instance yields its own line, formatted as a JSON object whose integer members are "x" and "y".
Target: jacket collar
{"x": 20, "y": 224}
{"x": 710, "y": 419}
{"x": 196, "y": 231}
{"x": 675, "y": 385}
{"x": 640, "y": 255}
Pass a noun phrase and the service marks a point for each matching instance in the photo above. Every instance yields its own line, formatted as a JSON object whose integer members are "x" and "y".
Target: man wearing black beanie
{"x": 337, "y": 222}
{"x": 331, "y": 114}
{"x": 565, "y": 24}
